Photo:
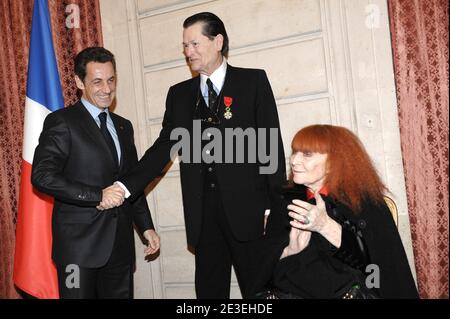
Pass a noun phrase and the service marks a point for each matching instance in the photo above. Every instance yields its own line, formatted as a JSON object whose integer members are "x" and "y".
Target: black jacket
{"x": 244, "y": 191}
{"x": 73, "y": 164}
{"x": 321, "y": 270}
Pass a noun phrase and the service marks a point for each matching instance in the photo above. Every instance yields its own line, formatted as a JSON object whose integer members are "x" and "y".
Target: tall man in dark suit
{"x": 224, "y": 201}
{"x": 82, "y": 149}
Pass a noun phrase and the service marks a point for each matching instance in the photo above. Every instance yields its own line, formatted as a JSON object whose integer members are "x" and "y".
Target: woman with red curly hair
{"x": 332, "y": 234}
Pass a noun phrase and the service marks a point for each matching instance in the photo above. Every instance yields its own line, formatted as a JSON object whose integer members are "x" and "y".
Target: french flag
{"x": 34, "y": 271}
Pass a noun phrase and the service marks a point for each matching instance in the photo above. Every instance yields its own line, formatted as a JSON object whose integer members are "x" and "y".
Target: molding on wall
{"x": 170, "y": 8}
{"x": 139, "y": 87}
{"x": 259, "y": 46}
{"x": 172, "y": 228}
{"x": 348, "y": 67}
{"x": 303, "y": 98}
{"x": 330, "y": 72}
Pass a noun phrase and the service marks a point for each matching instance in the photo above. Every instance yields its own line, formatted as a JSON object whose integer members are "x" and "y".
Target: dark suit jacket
{"x": 73, "y": 164}
{"x": 244, "y": 191}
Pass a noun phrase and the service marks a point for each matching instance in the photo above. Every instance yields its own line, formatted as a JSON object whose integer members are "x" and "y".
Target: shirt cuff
{"x": 127, "y": 192}
{"x": 267, "y": 212}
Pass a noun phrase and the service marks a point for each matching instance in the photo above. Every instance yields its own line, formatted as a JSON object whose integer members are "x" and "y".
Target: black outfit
{"x": 73, "y": 163}
{"x": 321, "y": 270}
{"x": 230, "y": 197}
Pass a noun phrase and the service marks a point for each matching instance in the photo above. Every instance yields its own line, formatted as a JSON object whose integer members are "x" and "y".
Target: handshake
{"x": 112, "y": 196}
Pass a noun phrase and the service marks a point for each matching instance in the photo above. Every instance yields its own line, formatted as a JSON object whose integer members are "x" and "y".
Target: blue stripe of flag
{"x": 43, "y": 85}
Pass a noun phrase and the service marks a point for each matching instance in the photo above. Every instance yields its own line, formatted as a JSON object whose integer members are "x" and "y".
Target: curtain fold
{"x": 15, "y": 27}
{"x": 68, "y": 41}
{"x": 419, "y": 31}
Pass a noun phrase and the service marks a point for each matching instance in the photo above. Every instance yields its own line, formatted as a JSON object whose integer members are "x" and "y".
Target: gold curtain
{"x": 419, "y": 30}
{"x": 70, "y": 35}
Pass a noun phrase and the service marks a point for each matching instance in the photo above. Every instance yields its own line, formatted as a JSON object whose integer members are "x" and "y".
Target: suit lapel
{"x": 227, "y": 90}
{"x": 196, "y": 92}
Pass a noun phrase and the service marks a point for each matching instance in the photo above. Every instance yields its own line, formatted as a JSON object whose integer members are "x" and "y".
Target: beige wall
{"x": 329, "y": 61}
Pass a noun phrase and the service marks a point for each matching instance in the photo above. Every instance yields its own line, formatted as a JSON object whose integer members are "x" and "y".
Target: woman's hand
{"x": 298, "y": 240}
{"x": 307, "y": 216}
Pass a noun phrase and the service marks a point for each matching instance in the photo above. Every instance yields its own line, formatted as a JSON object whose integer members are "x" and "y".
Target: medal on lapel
{"x": 227, "y": 102}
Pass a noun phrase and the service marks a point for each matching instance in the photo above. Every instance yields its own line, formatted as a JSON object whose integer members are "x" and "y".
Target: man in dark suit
{"x": 82, "y": 149}
{"x": 224, "y": 202}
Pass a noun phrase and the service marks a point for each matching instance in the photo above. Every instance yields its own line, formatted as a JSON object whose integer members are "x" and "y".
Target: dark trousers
{"x": 112, "y": 281}
{"x": 217, "y": 250}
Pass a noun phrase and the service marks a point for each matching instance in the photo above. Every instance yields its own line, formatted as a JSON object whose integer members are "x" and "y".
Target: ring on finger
{"x": 306, "y": 221}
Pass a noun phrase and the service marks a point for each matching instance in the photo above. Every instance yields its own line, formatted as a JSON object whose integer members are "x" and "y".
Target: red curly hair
{"x": 351, "y": 176}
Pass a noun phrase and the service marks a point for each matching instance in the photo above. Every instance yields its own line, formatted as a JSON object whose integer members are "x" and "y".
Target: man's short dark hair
{"x": 92, "y": 54}
{"x": 212, "y": 26}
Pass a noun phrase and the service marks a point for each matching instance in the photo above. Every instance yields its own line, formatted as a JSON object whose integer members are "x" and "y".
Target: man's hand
{"x": 112, "y": 196}
{"x": 153, "y": 242}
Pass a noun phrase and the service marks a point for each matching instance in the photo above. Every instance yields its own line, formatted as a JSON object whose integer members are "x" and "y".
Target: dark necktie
{"x": 108, "y": 138}
{"x": 212, "y": 95}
